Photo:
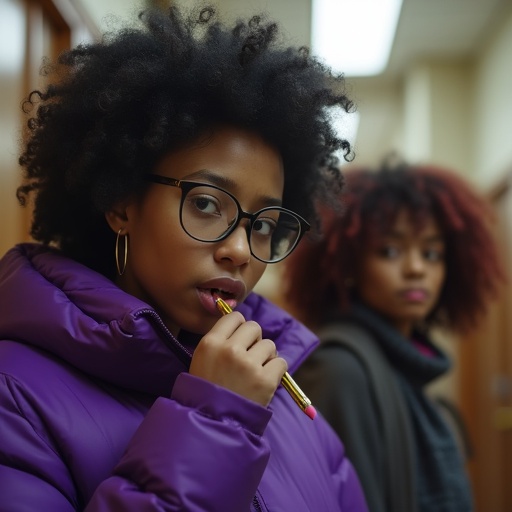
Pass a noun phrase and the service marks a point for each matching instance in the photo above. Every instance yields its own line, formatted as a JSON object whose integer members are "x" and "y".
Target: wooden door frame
{"x": 484, "y": 360}
{"x": 70, "y": 22}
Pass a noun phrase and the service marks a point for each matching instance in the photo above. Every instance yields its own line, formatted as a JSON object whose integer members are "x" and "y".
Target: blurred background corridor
{"x": 442, "y": 95}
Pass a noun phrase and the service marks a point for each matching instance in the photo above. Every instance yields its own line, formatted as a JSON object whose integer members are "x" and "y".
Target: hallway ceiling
{"x": 448, "y": 29}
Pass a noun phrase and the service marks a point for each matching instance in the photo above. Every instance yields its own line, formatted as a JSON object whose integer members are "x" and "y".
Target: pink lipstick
{"x": 415, "y": 295}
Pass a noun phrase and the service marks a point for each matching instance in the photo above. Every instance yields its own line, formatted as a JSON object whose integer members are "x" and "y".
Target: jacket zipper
{"x": 255, "y": 501}
{"x": 170, "y": 338}
{"x": 256, "y": 504}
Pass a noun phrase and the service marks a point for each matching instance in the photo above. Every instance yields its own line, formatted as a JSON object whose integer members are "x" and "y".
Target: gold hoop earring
{"x": 120, "y": 270}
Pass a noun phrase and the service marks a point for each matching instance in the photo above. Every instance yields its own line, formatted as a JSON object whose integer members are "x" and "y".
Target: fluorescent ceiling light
{"x": 354, "y": 36}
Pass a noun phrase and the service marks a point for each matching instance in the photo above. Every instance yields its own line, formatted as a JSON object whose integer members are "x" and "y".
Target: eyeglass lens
{"x": 208, "y": 213}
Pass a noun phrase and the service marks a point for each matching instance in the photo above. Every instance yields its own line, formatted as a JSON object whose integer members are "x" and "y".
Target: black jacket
{"x": 368, "y": 381}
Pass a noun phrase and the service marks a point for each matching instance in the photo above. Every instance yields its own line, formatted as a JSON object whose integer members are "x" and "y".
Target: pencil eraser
{"x": 310, "y": 411}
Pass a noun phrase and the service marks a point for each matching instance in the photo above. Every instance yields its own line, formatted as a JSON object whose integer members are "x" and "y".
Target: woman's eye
{"x": 389, "y": 252}
{"x": 264, "y": 227}
{"x": 205, "y": 204}
{"x": 433, "y": 255}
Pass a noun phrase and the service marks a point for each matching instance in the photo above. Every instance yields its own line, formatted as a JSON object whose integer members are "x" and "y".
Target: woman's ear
{"x": 117, "y": 217}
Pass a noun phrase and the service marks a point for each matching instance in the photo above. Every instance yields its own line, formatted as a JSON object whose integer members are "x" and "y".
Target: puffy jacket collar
{"x": 80, "y": 316}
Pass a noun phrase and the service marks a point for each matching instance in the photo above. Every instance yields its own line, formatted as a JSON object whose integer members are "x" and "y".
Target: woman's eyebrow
{"x": 434, "y": 238}
{"x": 394, "y": 234}
{"x": 400, "y": 235}
{"x": 227, "y": 184}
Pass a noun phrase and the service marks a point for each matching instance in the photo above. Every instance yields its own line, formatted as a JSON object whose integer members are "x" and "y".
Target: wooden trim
{"x": 49, "y": 8}
{"x": 485, "y": 365}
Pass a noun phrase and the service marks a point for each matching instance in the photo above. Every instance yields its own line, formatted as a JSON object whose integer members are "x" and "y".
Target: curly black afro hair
{"x": 117, "y": 106}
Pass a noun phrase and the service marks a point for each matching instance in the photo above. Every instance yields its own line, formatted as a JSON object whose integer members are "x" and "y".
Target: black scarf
{"x": 442, "y": 483}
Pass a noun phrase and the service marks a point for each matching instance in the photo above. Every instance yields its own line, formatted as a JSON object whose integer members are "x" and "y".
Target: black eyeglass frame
{"x": 187, "y": 186}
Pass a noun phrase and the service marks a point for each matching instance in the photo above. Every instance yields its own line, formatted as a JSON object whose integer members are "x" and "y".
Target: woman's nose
{"x": 235, "y": 247}
{"x": 414, "y": 262}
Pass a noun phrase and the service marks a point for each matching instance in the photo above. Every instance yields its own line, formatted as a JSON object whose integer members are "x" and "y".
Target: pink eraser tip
{"x": 310, "y": 411}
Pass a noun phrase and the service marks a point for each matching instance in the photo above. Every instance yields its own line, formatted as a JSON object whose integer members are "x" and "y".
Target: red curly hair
{"x": 317, "y": 273}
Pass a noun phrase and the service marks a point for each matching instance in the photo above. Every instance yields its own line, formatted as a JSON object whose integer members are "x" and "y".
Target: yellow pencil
{"x": 288, "y": 383}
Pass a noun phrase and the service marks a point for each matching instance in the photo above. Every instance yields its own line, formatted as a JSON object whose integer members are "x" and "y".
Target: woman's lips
{"x": 230, "y": 290}
{"x": 227, "y": 285}
{"x": 207, "y": 299}
{"x": 415, "y": 295}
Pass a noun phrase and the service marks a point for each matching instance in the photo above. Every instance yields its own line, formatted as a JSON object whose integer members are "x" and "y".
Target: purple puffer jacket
{"x": 98, "y": 412}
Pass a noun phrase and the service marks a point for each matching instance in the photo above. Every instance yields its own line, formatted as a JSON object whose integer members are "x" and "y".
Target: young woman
{"x": 410, "y": 249}
{"x": 168, "y": 165}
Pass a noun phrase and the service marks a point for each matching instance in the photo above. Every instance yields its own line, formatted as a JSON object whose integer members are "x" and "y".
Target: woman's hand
{"x": 235, "y": 356}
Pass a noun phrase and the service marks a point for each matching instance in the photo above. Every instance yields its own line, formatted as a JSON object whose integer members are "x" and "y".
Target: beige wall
{"x": 493, "y": 105}
{"x": 102, "y": 12}
{"x": 295, "y": 14}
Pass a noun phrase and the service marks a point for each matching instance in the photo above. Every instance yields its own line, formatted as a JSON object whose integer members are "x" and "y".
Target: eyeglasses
{"x": 210, "y": 214}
